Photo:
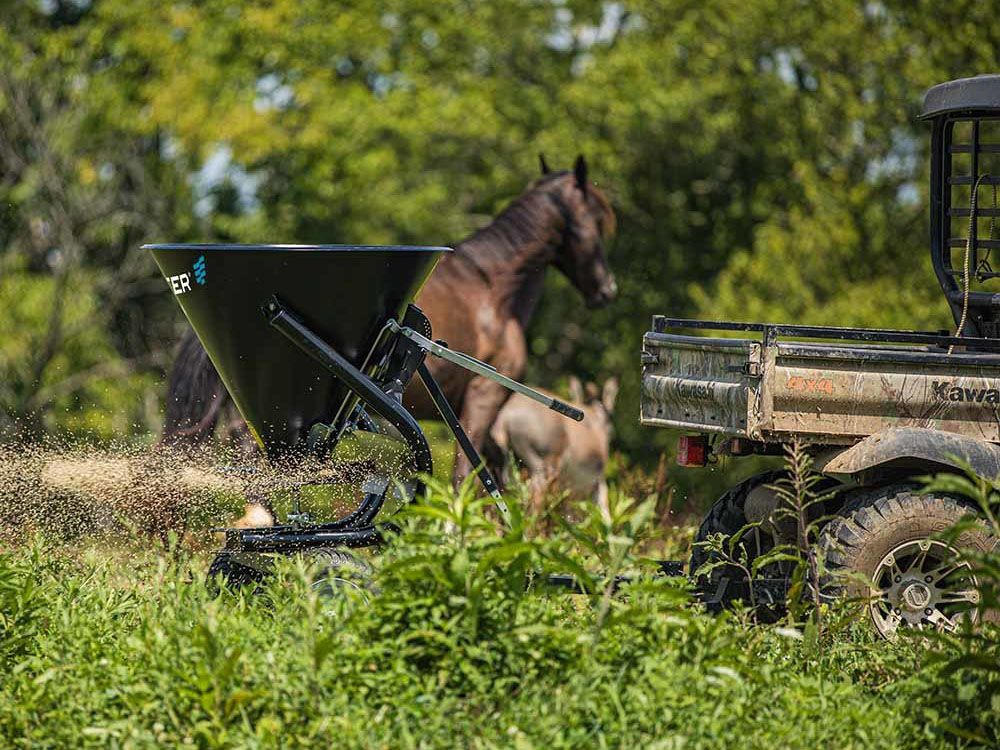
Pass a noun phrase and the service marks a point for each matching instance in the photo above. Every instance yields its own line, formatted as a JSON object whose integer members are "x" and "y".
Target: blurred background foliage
{"x": 763, "y": 156}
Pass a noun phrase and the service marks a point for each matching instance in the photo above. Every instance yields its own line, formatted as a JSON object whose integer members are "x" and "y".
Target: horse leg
{"x": 482, "y": 402}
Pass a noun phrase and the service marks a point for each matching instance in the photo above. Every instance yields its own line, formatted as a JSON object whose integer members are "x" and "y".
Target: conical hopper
{"x": 344, "y": 293}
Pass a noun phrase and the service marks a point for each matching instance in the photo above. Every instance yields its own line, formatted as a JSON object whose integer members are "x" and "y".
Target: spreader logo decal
{"x": 199, "y": 270}
{"x": 947, "y": 392}
{"x": 182, "y": 282}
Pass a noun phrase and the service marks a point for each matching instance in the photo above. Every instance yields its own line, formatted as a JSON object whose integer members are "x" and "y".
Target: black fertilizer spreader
{"x": 315, "y": 343}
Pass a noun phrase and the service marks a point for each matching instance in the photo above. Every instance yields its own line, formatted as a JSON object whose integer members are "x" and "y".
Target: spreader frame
{"x": 403, "y": 350}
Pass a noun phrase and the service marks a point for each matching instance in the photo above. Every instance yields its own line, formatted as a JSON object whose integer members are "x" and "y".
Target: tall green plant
{"x": 969, "y": 659}
{"x": 612, "y": 539}
{"x": 455, "y": 593}
{"x": 22, "y": 607}
{"x": 795, "y": 524}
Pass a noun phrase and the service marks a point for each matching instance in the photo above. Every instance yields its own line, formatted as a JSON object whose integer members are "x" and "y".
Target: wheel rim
{"x": 922, "y": 584}
{"x": 333, "y": 588}
{"x": 332, "y": 585}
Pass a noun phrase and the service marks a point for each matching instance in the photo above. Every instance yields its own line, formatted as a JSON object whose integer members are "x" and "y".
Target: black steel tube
{"x": 971, "y": 179}
{"x": 973, "y": 224}
{"x": 451, "y": 419}
{"x": 361, "y": 516}
{"x": 573, "y": 585}
{"x": 251, "y": 540}
{"x": 661, "y": 323}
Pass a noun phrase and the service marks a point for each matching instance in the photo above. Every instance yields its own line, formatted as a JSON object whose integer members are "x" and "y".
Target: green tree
{"x": 764, "y": 157}
{"x": 80, "y": 194}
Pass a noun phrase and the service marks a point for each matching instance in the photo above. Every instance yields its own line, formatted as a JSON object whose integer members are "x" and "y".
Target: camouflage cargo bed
{"x": 849, "y": 384}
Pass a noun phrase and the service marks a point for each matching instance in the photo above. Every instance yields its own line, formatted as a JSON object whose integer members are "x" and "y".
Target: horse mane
{"x": 519, "y": 229}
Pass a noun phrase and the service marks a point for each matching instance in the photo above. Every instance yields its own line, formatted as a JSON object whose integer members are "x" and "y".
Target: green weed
{"x": 458, "y": 643}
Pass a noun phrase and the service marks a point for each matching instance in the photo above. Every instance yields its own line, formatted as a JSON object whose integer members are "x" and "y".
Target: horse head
{"x": 589, "y": 220}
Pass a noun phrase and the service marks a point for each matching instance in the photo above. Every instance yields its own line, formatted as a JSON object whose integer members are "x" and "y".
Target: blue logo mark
{"x": 199, "y": 270}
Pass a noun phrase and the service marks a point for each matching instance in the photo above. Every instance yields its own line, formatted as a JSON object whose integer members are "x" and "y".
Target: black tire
{"x": 884, "y": 536}
{"x": 727, "y": 517}
{"x": 329, "y": 570}
{"x": 226, "y": 572}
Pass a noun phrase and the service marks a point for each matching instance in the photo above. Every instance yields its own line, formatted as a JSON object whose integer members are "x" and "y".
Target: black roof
{"x": 977, "y": 93}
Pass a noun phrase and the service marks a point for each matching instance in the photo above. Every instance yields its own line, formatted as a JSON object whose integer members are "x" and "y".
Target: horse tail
{"x": 195, "y": 396}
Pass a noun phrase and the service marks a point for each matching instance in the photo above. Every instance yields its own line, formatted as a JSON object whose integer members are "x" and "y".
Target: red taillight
{"x": 692, "y": 450}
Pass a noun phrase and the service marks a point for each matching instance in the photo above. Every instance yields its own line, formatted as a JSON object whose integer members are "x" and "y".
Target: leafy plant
{"x": 22, "y": 607}
{"x": 968, "y": 661}
{"x": 612, "y": 539}
{"x": 793, "y": 526}
{"x": 128, "y": 648}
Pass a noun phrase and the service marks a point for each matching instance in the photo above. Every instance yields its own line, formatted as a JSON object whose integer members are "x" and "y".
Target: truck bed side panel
{"x": 845, "y": 393}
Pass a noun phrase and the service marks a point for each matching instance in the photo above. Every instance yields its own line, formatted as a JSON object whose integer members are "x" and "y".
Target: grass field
{"x": 112, "y": 641}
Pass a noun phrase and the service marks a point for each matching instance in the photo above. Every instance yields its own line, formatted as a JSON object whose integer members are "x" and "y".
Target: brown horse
{"x": 479, "y": 299}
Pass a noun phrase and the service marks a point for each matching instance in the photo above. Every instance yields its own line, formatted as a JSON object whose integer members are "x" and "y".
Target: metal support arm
{"x": 481, "y": 368}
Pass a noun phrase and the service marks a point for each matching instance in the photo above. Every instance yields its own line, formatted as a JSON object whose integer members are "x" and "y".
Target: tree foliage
{"x": 764, "y": 157}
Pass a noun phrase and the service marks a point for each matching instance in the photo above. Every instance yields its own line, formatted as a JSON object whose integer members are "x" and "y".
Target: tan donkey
{"x": 556, "y": 450}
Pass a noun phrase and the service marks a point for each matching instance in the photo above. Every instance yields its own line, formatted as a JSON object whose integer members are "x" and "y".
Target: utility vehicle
{"x": 876, "y": 409}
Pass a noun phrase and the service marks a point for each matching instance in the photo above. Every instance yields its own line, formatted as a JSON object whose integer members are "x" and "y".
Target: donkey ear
{"x": 575, "y": 389}
{"x": 543, "y": 164}
{"x": 580, "y": 172}
{"x": 610, "y": 394}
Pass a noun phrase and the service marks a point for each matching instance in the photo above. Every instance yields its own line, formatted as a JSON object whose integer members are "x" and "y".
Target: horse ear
{"x": 575, "y": 389}
{"x": 610, "y": 394}
{"x": 580, "y": 172}
{"x": 543, "y": 164}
